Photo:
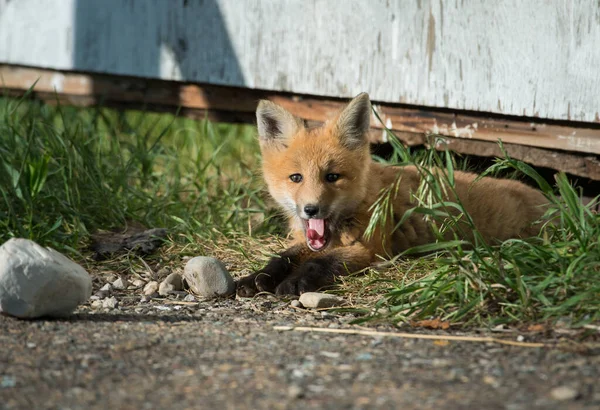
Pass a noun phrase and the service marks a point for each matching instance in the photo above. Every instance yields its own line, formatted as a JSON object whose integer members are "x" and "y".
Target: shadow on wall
{"x": 169, "y": 39}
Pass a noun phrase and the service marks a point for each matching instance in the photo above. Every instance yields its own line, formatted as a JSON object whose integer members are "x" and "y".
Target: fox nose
{"x": 311, "y": 210}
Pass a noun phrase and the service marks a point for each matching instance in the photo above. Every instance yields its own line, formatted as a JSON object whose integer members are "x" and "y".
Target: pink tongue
{"x": 316, "y": 228}
{"x": 316, "y": 232}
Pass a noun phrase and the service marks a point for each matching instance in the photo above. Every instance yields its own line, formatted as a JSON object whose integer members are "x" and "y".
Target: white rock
{"x": 172, "y": 283}
{"x": 37, "y": 281}
{"x": 208, "y": 277}
{"x": 151, "y": 288}
{"x": 295, "y": 303}
{"x": 563, "y": 393}
{"x": 189, "y": 298}
{"x": 120, "y": 283}
{"x": 316, "y": 300}
{"x": 110, "y": 303}
{"x": 138, "y": 283}
{"x": 106, "y": 288}
{"x": 164, "y": 289}
{"x": 295, "y": 391}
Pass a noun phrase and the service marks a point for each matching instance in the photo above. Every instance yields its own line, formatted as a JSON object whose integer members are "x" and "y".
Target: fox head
{"x": 318, "y": 176}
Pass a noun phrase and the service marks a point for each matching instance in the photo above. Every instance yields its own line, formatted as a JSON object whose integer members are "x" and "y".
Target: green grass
{"x": 67, "y": 172}
{"x": 555, "y": 276}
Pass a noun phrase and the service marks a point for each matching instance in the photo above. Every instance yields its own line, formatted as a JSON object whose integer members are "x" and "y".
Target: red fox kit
{"x": 325, "y": 182}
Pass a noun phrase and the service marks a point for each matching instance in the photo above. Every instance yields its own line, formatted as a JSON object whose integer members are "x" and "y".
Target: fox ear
{"x": 275, "y": 123}
{"x": 354, "y": 122}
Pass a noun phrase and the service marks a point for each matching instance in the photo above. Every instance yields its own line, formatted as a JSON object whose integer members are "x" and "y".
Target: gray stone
{"x": 295, "y": 303}
{"x": 104, "y": 291}
{"x": 208, "y": 277}
{"x": 101, "y": 294}
{"x": 120, "y": 283}
{"x": 172, "y": 283}
{"x": 151, "y": 288}
{"x": 110, "y": 303}
{"x": 37, "y": 281}
{"x": 106, "y": 288}
{"x": 189, "y": 298}
{"x": 316, "y": 300}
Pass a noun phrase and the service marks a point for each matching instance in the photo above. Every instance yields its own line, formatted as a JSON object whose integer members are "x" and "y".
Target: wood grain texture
{"x": 534, "y": 58}
{"x": 410, "y": 125}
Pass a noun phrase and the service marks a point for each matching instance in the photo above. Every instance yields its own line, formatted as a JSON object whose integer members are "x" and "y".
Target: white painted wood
{"x": 517, "y": 57}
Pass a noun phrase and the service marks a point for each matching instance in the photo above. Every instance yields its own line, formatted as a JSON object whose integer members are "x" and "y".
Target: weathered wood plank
{"x": 232, "y": 104}
{"x": 534, "y": 58}
{"x": 415, "y": 122}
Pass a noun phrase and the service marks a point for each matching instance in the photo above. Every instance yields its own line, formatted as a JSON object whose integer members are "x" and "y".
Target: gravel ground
{"x": 167, "y": 353}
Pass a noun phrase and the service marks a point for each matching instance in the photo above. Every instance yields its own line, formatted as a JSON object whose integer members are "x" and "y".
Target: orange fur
{"x": 501, "y": 209}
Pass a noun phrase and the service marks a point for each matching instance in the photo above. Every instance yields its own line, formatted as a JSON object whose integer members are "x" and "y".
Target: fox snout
{"x": 311, "y": 211}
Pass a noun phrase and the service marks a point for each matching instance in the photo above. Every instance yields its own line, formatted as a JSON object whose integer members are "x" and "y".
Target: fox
{"x": 326, "y": 183}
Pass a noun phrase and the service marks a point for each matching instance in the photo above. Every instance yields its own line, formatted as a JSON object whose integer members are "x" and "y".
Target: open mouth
{"x": 316, "y": 233}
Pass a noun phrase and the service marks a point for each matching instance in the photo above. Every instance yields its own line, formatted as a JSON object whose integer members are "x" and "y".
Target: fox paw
{"x": 246, "y": 286}
{"x": 266, "y": 279}
{"x": 310, "y": 277}
{"x": 255, "y": 283}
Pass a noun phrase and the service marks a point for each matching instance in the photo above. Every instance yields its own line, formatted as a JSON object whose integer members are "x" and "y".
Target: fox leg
{"x": 320, "y": 272}
{"x": 276, "y": 270}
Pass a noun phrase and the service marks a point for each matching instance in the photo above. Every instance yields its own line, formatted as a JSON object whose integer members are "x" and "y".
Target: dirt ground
{"x": 165, "y": 354}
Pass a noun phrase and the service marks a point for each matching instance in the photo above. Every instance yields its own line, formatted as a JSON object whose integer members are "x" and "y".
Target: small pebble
{"x": 295, "y": 303}
{"x": 189, "y": 298}
{"x": 295, "y": 392}
{"x": 164, "y": 289}
{"x": 96, "y": 304}
{"x": 208, "y": 277}
{"x": 364, "y": 357}
{"x": 162, "y": 272}
{"x": 564, "y": 393}
{"x": 316, "y": 300}
{"x": 151, "y": 288}
{"x": 172, "y": 283}
{"x": 106, "y": 288}
{"x": 138, "y": 283}
{"x": 110, "y": 303}
{"x": 102, "y": 294}
{"x": 331, "y": 355}
{"x": 8, "y": 381}
{"x": 120, "y": 283}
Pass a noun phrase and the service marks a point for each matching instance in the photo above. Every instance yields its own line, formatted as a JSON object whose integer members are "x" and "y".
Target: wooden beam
{"x": 563, "y": 146}
{"x": 587, "y": 166}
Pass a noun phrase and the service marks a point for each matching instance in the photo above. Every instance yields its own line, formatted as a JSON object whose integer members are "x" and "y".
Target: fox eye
{"x": 296, "y": 178}
{"x": 332, "y": 177}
